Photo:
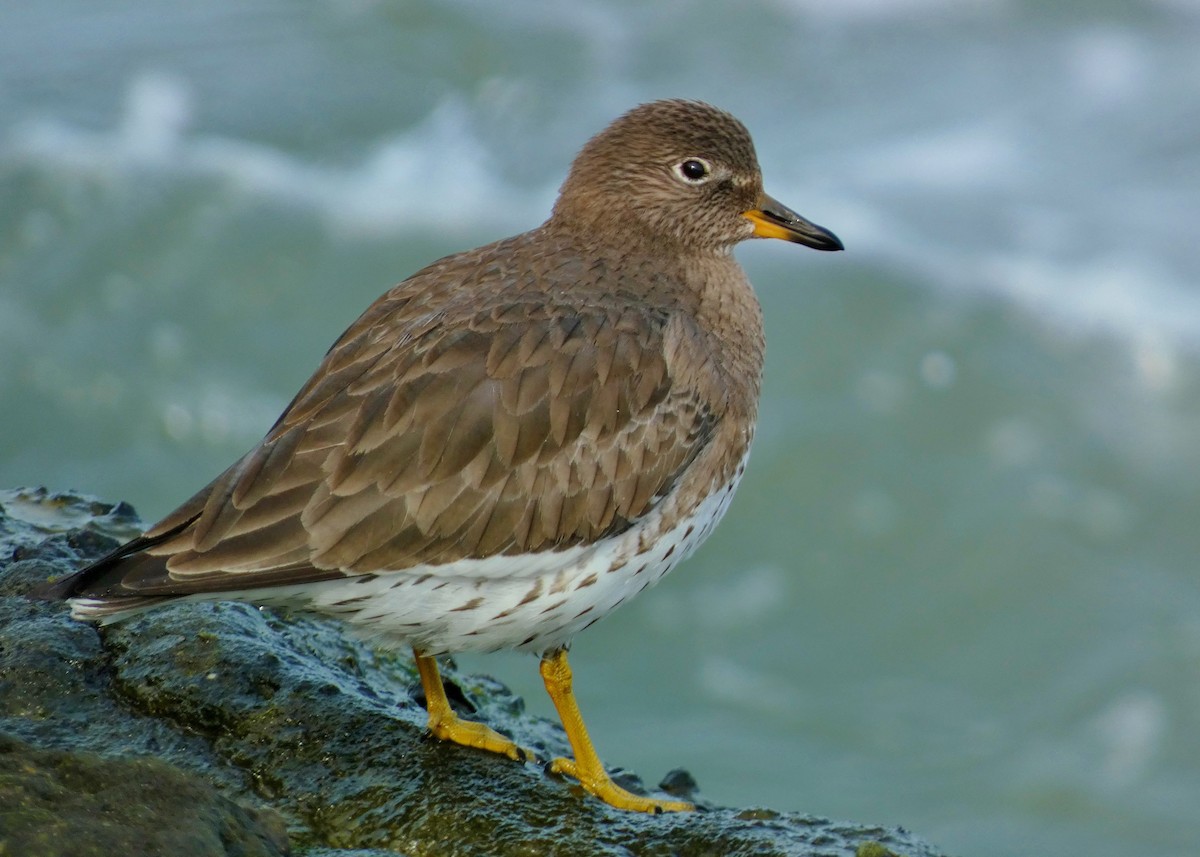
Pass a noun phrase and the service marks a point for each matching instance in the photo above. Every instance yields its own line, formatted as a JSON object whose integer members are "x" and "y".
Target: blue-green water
{"x": 958, "y": 590}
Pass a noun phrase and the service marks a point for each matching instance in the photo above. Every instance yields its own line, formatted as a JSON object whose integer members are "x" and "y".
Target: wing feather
{"x": 504, "y": 425}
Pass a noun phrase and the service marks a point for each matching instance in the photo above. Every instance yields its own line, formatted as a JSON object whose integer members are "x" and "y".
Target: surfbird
{"x": 512, "y": 442}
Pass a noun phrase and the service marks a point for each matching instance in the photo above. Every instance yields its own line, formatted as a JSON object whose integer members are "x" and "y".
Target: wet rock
{"x": 56, "y": 802}
{"x": 246, "y": 720}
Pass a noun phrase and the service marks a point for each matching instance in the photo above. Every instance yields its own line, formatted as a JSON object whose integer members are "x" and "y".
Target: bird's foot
{"x": 451, "y": 727}
{"x": 446, "y": 725}
{"x": 600, "y": 784}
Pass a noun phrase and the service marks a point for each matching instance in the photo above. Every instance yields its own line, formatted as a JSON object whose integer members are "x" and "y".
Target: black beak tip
{"x": 828, "y": 241}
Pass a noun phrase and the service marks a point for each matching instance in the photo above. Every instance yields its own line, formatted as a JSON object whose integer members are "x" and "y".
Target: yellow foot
{"x": 445, "y": 725}
{"x": 477, "y": 735}
{"x": 601, "y": 785}
{"x": 586, "y": 766}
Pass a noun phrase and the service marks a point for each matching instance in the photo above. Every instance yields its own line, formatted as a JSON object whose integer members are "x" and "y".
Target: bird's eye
{"x": 693, "y": 170}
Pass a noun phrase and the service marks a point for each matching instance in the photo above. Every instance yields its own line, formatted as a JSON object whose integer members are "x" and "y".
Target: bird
{"x": 512, "y": 442}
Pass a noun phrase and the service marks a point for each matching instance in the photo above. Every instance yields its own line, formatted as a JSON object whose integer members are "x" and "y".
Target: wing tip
{"x": 108, "y": 610}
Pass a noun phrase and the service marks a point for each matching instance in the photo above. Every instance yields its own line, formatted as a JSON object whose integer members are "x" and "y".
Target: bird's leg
{"x": 586, "y": 766}
{"x": 445, "y": 725}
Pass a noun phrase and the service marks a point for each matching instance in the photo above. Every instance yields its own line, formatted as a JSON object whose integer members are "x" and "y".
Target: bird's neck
{"x": 729, "y": 312}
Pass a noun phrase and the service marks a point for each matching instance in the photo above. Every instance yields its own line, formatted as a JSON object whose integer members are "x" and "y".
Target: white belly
{"x": 530, "y": 603}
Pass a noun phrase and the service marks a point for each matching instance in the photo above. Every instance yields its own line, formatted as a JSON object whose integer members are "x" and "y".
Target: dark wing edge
{"x": 104, "y": 574}
{"x": 105, "y": 578}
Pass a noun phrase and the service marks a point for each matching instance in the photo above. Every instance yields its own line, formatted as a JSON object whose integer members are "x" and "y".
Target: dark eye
{"x": 693, "y": 170}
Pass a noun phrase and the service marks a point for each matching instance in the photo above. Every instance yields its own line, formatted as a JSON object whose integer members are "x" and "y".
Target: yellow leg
{"x": 448, "y": 726}
{"x": 586, "y": 766}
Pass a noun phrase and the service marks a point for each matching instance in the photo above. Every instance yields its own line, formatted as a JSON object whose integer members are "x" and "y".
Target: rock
{"x": 244, "y": 721}
{"x": 61, "y": 802}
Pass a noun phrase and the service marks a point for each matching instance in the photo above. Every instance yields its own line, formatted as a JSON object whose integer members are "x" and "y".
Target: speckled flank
{"x": 486, "y": 605}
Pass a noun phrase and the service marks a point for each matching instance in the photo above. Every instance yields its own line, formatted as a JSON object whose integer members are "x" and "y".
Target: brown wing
{"x": 427, "y": 437}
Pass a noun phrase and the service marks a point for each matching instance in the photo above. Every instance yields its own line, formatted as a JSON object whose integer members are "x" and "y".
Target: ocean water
{"x": 958, "y": 590}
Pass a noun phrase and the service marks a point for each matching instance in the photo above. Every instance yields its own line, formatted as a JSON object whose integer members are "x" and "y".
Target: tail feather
{"x": 108, "y": 610}
{"x": 96, "y": 591}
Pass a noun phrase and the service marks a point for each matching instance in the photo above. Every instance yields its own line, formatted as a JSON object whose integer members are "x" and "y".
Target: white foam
{"x": 975, "y": 156}
{"x": 888, "y": 10}
{"x": 977, "y": 209}
{"x": 743, "y": 684}
{"x": 1182, "y": 7}
{"x": 218, "y": 414}
{"x": 914, "y": 200}
{"x": 1121, "y": 291}
{"x": 1109, "y": 65}
{"x": 436, "y": 175}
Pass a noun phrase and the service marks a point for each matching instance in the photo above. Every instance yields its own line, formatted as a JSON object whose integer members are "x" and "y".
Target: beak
{"x": 773, "y": 219}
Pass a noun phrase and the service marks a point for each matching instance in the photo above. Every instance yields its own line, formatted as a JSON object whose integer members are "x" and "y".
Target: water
{"x": 958, "y": 588}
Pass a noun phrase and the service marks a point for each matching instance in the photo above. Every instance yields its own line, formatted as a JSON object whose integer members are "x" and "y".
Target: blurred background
{"x": 958, "y": 590}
